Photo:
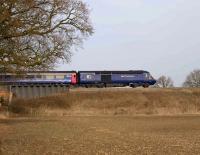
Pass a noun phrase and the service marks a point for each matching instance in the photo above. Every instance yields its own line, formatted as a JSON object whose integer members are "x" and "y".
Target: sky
{"x": 162, "y": 37}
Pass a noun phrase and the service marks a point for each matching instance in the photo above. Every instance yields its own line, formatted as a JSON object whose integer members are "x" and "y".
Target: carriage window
{"x": 30, "y": 76}
{"x": 2, "y": 76}
{"x": 8, "y": 77}
{"x": 38, "y": 76}
{"x": 67, "y": 76}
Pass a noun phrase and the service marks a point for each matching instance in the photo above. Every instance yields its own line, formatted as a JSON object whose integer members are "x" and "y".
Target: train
{"x": 132, "y": 78}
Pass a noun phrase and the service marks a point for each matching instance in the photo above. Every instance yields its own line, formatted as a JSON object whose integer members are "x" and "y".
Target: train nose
{"x": 154, "y": 81}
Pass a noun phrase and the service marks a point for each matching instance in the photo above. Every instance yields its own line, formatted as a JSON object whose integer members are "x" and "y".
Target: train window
{"x": 29, "y": 76}
{"x": 44, "y": 77}
{"x": 38, "y": 76}
{"x": 66, "y": 76}
{"x": 146, "y": 75}
{"x": 150, "y": 77}
{"x": 8, "y": 76}
{"x": 2, "y": 76}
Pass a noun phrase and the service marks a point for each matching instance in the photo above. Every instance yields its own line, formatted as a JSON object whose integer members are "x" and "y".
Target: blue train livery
{"x": 116, "y": 78}
{"x": 82, "y": 78}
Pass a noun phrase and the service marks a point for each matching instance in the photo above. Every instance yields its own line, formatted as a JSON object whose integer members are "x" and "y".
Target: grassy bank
{"x": 113, "y": 102}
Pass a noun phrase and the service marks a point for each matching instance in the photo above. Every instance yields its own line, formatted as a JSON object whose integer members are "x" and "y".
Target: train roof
{"x": 116, "y": 72}
{"x": 96, "y": 72}
{"x": 54, "y": 72}
{"x": 51, "y": 71}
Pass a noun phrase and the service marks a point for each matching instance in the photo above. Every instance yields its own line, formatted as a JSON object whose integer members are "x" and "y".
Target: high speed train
{"x": 132, "y": 78}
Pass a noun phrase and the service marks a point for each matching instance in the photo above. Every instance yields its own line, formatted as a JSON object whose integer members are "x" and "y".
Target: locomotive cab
{"x": 150, "y": 79}
{"x": 148, "y": 76}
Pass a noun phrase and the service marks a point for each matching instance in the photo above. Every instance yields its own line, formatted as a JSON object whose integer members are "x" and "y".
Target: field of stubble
{"x": 104, "y": 122}
{"x": 109, "y": 135}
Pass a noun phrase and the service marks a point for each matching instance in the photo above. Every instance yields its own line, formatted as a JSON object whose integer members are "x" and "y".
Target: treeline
{"x": 192, "y": 80}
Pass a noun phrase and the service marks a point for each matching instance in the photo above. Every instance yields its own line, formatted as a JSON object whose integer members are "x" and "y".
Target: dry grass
{"x": 112, "y": 135}
{"x": 4, "y": 96}
{"x": 113, "y": 102}
{"x": 112, "y": 127}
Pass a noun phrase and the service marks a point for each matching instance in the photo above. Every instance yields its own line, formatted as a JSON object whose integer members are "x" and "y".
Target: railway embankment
{"x": 152, "y": 101}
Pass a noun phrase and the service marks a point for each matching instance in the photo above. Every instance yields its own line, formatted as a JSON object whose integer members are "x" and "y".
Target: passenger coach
{"x": 40, "y": 77}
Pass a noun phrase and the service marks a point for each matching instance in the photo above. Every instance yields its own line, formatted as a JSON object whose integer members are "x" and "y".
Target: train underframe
{"x": 104, "y": 85}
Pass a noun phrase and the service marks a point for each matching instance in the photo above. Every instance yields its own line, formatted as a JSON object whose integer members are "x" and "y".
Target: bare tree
{"x": 193, "y": 79}
{"x": 37, "y": 34}
{"x": 164, "y": 82}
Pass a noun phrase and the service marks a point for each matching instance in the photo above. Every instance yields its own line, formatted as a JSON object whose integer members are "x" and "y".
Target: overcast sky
{"x": 162, "y": 37}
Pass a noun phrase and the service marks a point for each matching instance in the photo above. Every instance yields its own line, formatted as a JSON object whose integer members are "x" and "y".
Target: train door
{"x": 106, "y": 78}
{"x": 73, "y": 78}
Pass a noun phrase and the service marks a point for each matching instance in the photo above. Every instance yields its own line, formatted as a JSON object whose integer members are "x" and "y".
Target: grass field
{"x": 109, "y": 135}
{"x": 104, "y": 122}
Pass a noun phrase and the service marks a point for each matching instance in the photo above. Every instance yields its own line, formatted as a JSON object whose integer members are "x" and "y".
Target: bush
{"x": 120, "y": 102}
{"x": 21, "y": 106}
